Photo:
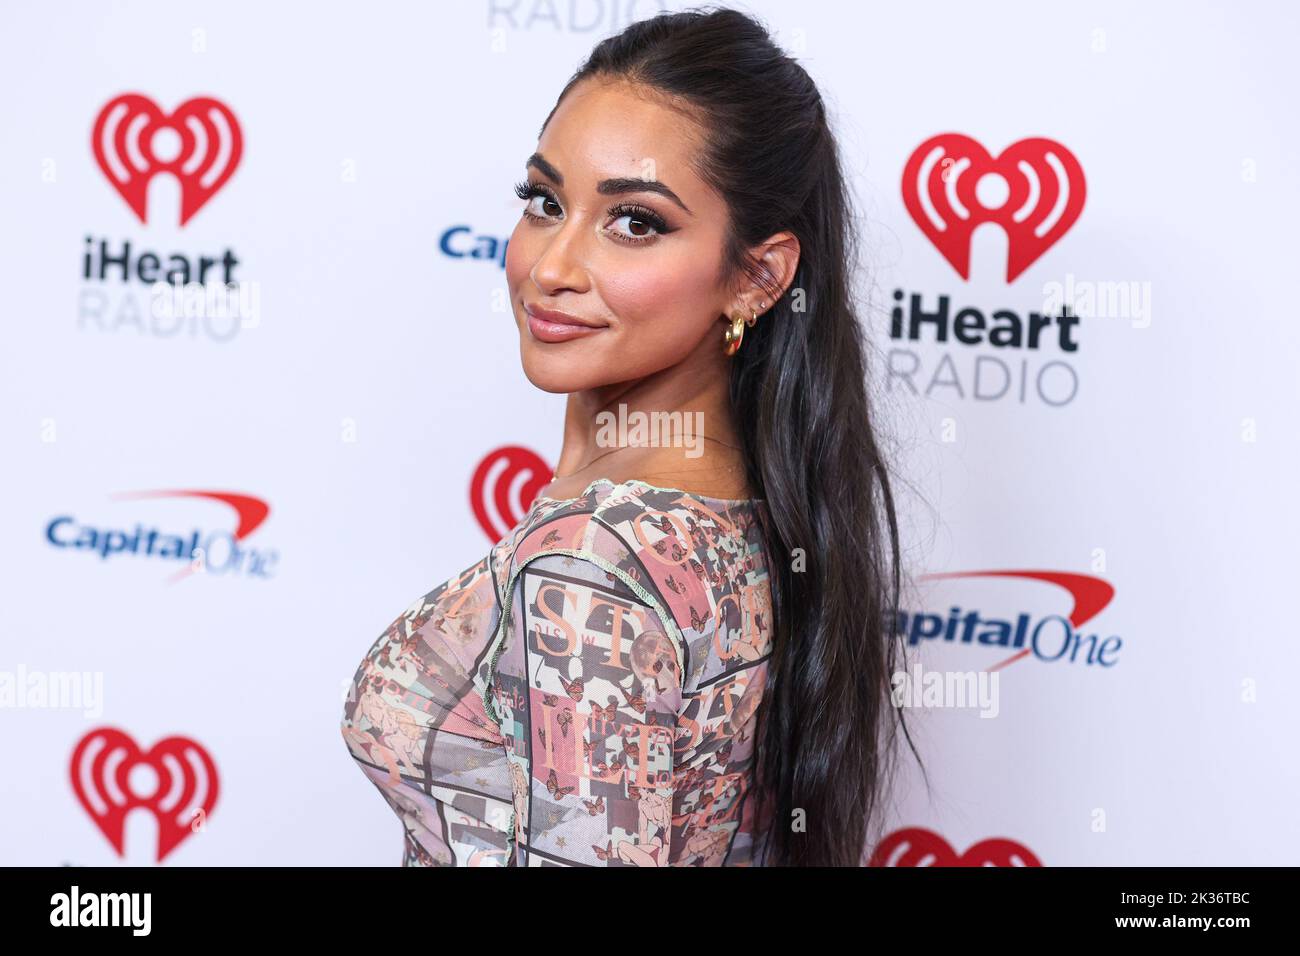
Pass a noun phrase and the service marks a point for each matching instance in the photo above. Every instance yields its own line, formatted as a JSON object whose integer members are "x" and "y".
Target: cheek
{"x": 663, "y": 305}
{"x": 519, "y": 261}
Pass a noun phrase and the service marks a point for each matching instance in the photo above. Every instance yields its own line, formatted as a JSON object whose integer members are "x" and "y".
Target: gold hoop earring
{"x": 735, "y": 334}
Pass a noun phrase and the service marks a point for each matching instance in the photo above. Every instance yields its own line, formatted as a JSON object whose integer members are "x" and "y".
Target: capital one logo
{"x": 176, "y": 781}
{"x": 199, "y": 143}
{"x": 1034, "y": 189}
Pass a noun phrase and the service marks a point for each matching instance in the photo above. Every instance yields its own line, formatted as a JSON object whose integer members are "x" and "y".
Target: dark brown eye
{"x": 642, "y": 225}
{"x": 531, "y": 192}
{"x": 537, "y": 207}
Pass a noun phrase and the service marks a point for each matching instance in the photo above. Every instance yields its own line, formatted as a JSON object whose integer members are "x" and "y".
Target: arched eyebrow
{"x": 608, "y": 187}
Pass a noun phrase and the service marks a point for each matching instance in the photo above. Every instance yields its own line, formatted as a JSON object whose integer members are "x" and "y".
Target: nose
{"x": 562, "y": 262}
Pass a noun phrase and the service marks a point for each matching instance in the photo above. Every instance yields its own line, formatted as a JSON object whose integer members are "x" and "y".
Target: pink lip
{"x": 547, "y": 325}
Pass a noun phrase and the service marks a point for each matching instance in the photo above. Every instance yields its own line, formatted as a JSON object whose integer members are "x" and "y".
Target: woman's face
{"x": 602, "y": 240}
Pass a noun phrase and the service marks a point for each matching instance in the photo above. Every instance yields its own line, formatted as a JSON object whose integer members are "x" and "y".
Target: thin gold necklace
{"x": 556, "y": 475}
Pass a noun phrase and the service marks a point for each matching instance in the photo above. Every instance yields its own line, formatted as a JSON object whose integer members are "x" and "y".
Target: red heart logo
{"x": 1034, "y": 190}
{"x": 208, "y": 147}
{"x": 917, "y": 846}
{"x": 504, "y": 486}
{"x": 101, "y": 768}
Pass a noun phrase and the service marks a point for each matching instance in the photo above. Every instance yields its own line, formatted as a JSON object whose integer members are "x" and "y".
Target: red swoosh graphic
{"x": 251, "y": 511}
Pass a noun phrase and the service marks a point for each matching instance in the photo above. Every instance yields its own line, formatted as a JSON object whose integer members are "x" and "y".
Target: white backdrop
{"x": 375, "y": 369}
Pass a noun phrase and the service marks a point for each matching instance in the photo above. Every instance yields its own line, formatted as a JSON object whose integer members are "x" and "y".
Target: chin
{"x": 558, "y": 376}
{"x": 554, "y": 386}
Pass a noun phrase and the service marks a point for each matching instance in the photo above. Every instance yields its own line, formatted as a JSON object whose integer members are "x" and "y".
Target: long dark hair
{"x": 827, "y": 729}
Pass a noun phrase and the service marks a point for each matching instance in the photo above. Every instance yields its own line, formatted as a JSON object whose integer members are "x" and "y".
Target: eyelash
{"x": 528, "y": 190}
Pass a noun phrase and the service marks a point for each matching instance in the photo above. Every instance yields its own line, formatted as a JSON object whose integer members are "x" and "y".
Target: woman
{"x": 681, "y": 655}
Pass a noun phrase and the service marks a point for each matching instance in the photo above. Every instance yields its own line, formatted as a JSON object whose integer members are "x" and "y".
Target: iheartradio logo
{"x": 1034, "y": 190}
{"x": 107, "y": 769}
{"x": 917, "y": 846}
{"x": 503, "y": 488}
{"x": 199, "y": 143}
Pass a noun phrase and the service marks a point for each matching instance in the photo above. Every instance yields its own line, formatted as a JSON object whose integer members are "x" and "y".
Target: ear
{"x": 777, "y": 259}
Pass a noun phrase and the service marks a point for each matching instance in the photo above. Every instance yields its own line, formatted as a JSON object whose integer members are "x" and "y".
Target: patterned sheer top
{"x": 584, "y": 695}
